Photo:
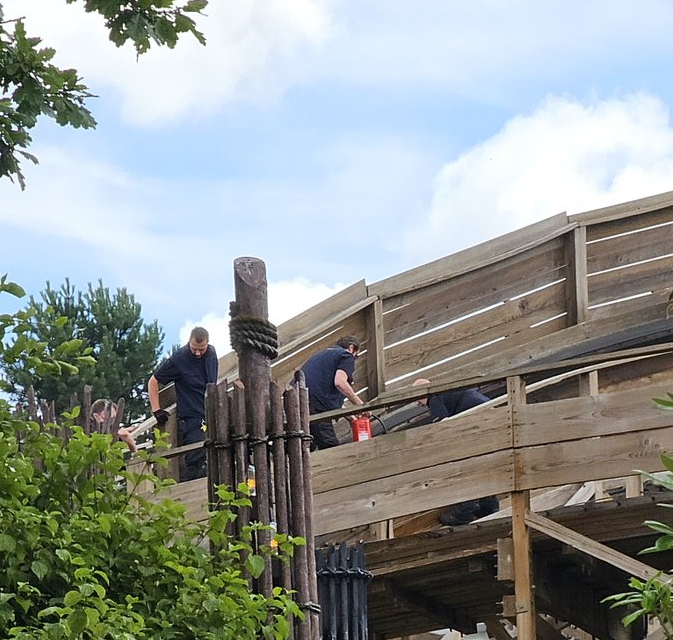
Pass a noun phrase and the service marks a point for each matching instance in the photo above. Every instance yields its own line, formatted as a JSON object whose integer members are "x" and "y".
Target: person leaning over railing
{"x": 443, "y": 405}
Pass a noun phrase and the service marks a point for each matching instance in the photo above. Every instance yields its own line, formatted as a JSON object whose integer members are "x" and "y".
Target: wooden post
{"x": 254, "y": 368}
{"x": 523, "y": 587}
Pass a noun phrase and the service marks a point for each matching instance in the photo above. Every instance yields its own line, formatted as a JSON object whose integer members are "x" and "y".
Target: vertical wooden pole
{"x": 577, "y": 289}
{"x": 376, "y": 379}
{"x": 255, "y": 371}
{"x": 523, "y": 586}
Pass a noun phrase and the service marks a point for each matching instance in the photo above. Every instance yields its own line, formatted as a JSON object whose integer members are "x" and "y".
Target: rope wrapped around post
{"x": 252, "y": 333}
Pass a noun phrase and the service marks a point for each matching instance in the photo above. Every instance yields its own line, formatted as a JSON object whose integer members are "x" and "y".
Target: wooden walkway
{"x": 564, "y": 325}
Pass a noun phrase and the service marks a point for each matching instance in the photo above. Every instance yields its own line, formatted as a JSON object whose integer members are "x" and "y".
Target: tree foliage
{"x": 31, "y": 86}
{"x": 98, "y": 338}
{"x": 81, "y": 559}
{"x": 653, "y": 598}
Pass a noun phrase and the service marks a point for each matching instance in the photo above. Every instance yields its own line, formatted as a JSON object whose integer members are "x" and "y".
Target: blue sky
{"x": 334, "y": 139}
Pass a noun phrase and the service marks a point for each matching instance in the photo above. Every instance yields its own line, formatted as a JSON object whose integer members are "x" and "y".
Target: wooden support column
{"x": 577, "y": 289}
{"x": 376, "y": 379}
{"x": 523, "y": 586}
{"x": 254, "y": 368}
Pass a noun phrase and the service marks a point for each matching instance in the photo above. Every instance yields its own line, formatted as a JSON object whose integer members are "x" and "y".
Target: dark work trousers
{"x": 194, "y": 463}
{"x": 324, "y": 435}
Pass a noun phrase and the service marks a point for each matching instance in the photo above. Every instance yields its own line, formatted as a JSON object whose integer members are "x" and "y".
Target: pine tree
{"x": 125, "y": 349}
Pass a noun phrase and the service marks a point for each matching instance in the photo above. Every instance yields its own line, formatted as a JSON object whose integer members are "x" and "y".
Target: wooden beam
{"x": 408, "y": 600}
{"x": 376, "y": 374}
{"x": 589, "y": 546}
{"x": 523, "y": 582}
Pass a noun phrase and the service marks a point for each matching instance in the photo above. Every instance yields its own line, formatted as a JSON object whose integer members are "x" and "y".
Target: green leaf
{"x": 77, "y": 621}
{"x": 255, "y": 565}
{"x": 195, "y": 6}
{"x": 72, "y": 598}
{"x": 7, "y": 543}
{"x": 39, "y": 568}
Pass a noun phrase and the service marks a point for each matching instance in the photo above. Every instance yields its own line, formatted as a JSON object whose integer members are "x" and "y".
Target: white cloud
{"x": 286, "y": 299}
{"x": 254, "y": 52}
{"x": 565, "y": 156}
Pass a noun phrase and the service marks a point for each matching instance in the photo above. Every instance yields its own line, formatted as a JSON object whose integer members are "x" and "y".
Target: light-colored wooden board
{"x": 623, "y": 211}
{"x": 592, "y": 416}
{"x": 592, "y": 458}
{"x": 623, "y": 250}
{"x": 631, "y": 281}
{"x": 414, "y": 491}
{"x": 403, "y": 451}
{"x": 473, "y": 258}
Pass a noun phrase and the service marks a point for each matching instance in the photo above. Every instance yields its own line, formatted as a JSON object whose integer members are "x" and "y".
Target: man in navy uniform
{"x": 191, "y": 368}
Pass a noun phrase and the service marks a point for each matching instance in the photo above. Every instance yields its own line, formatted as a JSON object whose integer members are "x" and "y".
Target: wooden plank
{"x": 396, "y": 453}
{"x": 591, "y": 416}
{"x": 485, "y": 253}
{"x": 413, "y": 312}
{"x": 630, "y": 281}
{"x": 617, "y": 212}
{"x": 589, "y": 546}
{"x": 629, "y": 249}
{"x": 412, "y": 492}
{"x": 656, "y": 300}
{"x": 376, "y": 373}
{"x": 512, "y": 317}
{"x": 593, "y": 458}
{"x": 523, "y": 578}
{"x": 577, "y": 295}
{"x": 572, "y": 342}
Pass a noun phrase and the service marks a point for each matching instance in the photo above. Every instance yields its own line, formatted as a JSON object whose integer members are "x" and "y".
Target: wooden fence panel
{"x": 414, "y": 491}
{"x": 484, "y": 431}
{"x": 504, "y": 321}
{"x": 630, "y": 281}
{"x": 619, "y": 251}
{"x": 591, "y": 416}
{"x": 412, "y": 313}
{"x": 594, "y": 458}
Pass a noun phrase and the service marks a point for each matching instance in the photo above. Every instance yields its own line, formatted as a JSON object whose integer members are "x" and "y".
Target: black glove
{"x": 161, "y": 416}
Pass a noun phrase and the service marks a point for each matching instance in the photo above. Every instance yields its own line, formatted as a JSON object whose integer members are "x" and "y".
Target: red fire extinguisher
{"x": 361, "y": 429}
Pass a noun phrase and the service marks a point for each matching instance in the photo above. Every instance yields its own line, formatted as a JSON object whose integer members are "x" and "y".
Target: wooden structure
{"x": 564, "y": 324}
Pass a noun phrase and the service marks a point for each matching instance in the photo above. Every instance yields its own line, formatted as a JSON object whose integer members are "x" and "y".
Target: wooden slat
{"x": 476, "y": 434}
{"x": 376, "y": 375}
{"x": 616, "y": 213}
{"x": 591, "y": 416}
{"x": 635, "y": 247}
{"x": 412, "y": 492}
{"x": 571, "y": 342}
{"x": 473, "y": 258}
{"x": 576, "y": 286}
{"x": 630, "y": 281}
{"x": 595, "y": 458}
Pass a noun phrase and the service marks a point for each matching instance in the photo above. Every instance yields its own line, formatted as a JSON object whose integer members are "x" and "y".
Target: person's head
{"x": 350, "y": 343}
{"x": 198, "y": 341}
{"x": 102, "y": 410}
{"x": 422, "y": 401}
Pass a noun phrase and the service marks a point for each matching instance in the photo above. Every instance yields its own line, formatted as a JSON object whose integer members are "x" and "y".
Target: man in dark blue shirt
{"x": 191, "y": 368}
{"x": 444, "y": 405}
{"x": 329, "y": 376}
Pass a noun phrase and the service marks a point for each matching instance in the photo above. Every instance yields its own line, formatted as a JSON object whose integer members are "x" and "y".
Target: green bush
{"x": 82, "y": 558}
